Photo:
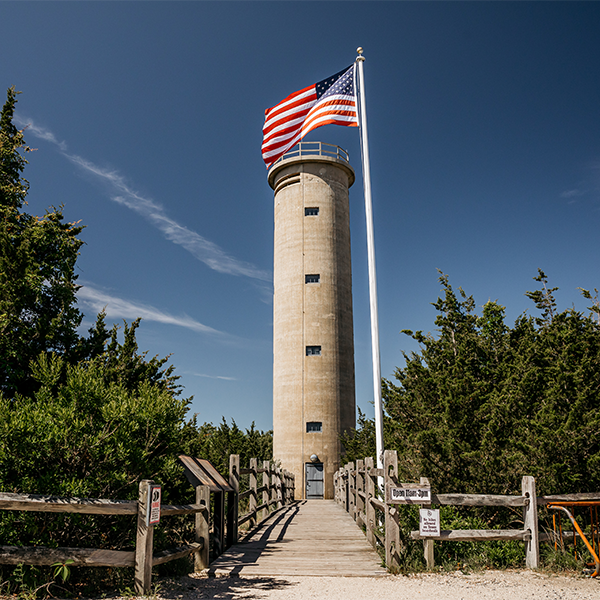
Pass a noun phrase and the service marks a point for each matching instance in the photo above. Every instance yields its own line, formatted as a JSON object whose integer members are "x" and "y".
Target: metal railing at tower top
{"x": 314, "y": 149}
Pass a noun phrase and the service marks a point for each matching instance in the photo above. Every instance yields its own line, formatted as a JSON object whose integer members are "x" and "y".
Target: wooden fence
{"x": 277, "y": 490}
{"x": 357, "y": 490}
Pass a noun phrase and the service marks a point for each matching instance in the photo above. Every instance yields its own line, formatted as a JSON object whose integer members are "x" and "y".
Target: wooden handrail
{"x": 591, "y": 496}
{"x": 246, "y": 517}
{"x": 168, "y": 510}
{"x": 91, "y": 506}
{"x": 247, "y": 493}
{"x": 174, "y": 553}
{"x": 479, "y": 500}
{"x": 474, "y": 535}
{"x": 377, "y": 503}
{"x": 89, "y": 557}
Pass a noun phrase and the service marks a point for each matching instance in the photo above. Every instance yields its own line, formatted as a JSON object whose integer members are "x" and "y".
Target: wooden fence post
{"x": 530, "y": 523}
{"x": 427, "y": 544}
{"x": 392, "y": 526}
{"x": 273, "y": 496}
{"x": 335, "y": 490}
{"x": 252, "y": 484}
{"x": 347, "y": 487}
{"x": 265, "y": 485}
{"x": 144, "y": 542}
{"x": 233, "y": 499}
{"x": 287, "y": 487}
{"x": 219, "y": 522}
{"x": 351, "y": 490}
{"x": 202, "y": 558}
{"x": 278, "y": 486}
{"x": 360, "y": 489}
{"x": 369, "y": 508}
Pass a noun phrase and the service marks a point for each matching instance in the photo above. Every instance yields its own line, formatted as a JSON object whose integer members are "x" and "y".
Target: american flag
{"x": 331, "y": 101}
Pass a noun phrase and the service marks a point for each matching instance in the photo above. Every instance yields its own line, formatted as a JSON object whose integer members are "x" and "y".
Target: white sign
{"x": 153, "y": 507}
{"x": 429, "y": 522}
{"x": 409, "y": 495}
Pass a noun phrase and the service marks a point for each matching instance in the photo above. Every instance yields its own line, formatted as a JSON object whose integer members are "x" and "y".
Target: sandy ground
{"x": 488, "y": 585}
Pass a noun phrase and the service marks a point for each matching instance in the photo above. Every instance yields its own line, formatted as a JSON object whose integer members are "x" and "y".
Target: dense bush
{"x": 83, "y": 433}
{"x": 483, "y": 404}
{"x": 216, "y": 443}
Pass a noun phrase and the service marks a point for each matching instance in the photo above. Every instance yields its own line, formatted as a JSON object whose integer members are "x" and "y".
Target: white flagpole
{"x": 364, "y": 140}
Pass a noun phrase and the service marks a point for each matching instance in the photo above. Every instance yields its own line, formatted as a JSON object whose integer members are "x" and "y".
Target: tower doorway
{"x": 314, "y": 481}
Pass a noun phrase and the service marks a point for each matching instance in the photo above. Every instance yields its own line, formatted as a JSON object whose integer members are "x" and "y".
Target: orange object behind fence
{"x": 594, "y": 545}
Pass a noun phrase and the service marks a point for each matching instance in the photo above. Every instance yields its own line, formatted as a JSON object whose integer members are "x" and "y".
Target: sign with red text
{"x": 153, "y": 506}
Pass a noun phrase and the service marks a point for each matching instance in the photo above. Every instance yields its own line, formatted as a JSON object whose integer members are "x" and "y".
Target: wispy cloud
{"x": 572, "y": 193}
{"x": 120, "y": 308}
{"x": 589, "y": 186}
{"x": 201, "y": 248}
{"x": 41, "y": 133}
{"x": 212, "y": 376}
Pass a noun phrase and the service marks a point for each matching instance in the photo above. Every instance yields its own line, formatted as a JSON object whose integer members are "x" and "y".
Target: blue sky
{"x": 485, "y": 155}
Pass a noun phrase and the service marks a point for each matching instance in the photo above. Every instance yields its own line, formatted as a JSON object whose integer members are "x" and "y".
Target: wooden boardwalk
{"x": 309, "y": 537}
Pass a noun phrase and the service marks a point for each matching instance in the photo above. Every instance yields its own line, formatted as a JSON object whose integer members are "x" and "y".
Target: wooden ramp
{"x": 309, "y": 537}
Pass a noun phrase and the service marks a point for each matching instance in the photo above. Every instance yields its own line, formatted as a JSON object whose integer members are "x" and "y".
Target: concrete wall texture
{"x": 312, "y": 388}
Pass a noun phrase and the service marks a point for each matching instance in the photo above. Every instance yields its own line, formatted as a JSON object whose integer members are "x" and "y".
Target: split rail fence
{"x": 357, "y": 490}
{"x": 216, "y": 526}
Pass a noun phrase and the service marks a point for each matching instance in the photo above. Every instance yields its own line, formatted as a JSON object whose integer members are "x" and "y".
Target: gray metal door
{"x": 314, "y": 480}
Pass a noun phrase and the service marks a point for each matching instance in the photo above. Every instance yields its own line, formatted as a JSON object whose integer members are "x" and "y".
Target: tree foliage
{"x": 38, "y": 311}
{"x": 216, "y": 443}
{"x": 483, "y": 404}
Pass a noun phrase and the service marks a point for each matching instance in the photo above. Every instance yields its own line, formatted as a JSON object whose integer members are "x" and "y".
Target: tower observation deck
{"x": 313, "y": 341}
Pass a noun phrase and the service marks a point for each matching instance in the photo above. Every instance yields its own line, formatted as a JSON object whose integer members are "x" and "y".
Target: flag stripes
{"x": 331, "y": 101}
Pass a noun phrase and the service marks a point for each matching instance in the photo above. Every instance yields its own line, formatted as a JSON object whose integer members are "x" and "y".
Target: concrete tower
{"x": 313, "y": 340}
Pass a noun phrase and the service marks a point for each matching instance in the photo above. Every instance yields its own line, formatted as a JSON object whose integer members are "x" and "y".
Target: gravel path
{"x": 488, "y": 585}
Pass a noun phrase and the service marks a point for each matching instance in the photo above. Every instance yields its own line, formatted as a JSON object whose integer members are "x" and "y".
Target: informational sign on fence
{"x": 407, "y": 493}
{"x": 153, "y": 507}
{"x": 429, "y": 522}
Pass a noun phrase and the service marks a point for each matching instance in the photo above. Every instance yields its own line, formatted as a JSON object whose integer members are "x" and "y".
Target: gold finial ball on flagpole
{"x": 359, "y": 50}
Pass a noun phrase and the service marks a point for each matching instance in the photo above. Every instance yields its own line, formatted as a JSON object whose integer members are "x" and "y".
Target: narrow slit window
{"x": 311, "y": 212}
{"x": 314, "y": 427}
{"x": 312, "y": 278}
{"x": 313, "y": 350}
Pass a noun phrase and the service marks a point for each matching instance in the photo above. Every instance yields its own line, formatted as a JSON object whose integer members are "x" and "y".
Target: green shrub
{"x": 92, "y": 438}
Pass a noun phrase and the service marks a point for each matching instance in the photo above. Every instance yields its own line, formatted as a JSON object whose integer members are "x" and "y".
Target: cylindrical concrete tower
{"x": 313, "y": 340}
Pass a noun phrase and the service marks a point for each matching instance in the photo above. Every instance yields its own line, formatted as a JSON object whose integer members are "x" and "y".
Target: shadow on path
{"x": 224, "y": 588}
{"x": 249, "y": 550}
